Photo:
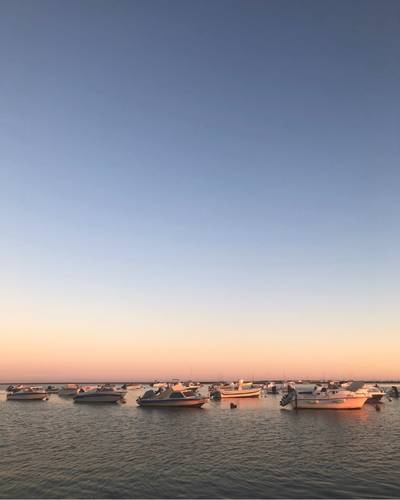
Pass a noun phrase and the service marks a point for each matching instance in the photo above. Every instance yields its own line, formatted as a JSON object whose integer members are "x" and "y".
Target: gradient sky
{"x": 199, "y": 189}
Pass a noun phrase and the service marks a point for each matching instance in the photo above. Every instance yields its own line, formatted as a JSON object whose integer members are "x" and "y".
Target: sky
{"x": 199, "y": 189}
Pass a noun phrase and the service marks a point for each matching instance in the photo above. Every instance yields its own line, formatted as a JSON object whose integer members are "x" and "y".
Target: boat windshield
{"x": 189, "y": 394}
{"x": 177, "y": 395}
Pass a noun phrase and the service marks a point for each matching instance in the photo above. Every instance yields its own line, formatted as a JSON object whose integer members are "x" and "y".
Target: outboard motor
{"x": 287, "y": 398}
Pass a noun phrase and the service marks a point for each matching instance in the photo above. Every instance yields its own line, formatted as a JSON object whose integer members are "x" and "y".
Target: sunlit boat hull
{"x": 172, "y": 403}
{"x": 238, "y": 393}
{"x": 318, "y": 403}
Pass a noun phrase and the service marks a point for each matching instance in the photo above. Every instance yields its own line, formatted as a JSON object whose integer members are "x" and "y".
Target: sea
{"x": 58, "y": 449}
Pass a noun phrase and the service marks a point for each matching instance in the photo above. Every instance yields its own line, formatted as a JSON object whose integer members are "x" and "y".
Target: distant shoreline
{"x": 86, "y": 382}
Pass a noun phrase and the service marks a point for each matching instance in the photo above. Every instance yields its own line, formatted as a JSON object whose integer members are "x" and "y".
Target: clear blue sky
{"x": 222, "y": 160}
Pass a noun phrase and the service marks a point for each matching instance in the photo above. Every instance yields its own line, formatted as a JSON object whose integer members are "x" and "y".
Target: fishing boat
{"x": 325, "y": 398}
{"x": 102, "y": 394}
{"x": 171, "y": 397}
{"x": 239, "y": 389}
{"x": 31, "y": 393}
{"x": 68, "y": 391}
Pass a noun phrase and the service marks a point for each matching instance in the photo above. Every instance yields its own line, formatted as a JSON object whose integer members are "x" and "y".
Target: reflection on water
{"x": 58, "y": 449}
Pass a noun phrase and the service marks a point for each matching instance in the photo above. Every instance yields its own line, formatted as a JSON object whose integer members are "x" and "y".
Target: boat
{"x": 325, "y": 398}
{"x": 135, "y": 387}
{"x": 121, "y": 390}
{"x": 159, "y": 385}
{"x": 393, "y": 392}
{"x": 69, "y": 390}
{"x": 240, "y": 389}
{"x": 375, "y": 394}
{"x": 13, "y": 388}
{"x": 102, "y": 394}
{"x": 171, "y": 397}
{"x": 271, "y": 388}
{"x": 52, "y": 389}
{"x": 192, "y": 386}
{"x": 288, "y": 386}
{"x": 27, "y": 393}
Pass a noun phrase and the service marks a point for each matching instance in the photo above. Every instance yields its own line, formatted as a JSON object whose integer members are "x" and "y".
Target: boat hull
{"x": 97, "y": 398}
{"x": 27, "y": 397}
{"x": 344, "y": 403}
{"x": 243, "y": 393}
{"x": 171, "y": 403}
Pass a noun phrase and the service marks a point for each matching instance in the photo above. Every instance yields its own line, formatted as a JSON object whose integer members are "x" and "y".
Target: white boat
{"x": 159, "y": 385}
{"x": 28, "y": 394}
{"x": 324, "y": 398}
{"x": 375, "y": 393}
{"x": 52, "y": 389}
{"x": 192, "y": 386}
{"x": 121, "y": 390}
{"x": 240, "y": 389}
{"x": 271, "y": 388}
{"x": 288, "y": 386}
{"x": 69, "y": 390}
{"x": 171, "y": 398}
{"x": 135, "y": 387}
{"x": 101, "y": 394}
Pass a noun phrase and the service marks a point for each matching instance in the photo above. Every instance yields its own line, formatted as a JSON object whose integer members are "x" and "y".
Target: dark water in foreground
{"x": 58, "y": 449}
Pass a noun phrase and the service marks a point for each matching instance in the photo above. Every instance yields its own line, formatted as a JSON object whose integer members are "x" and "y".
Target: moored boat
{"x": 240, "y": 389}
{"x": 325, "y": 398}
{"x": 271, "y": 388}
{"x": 102, "y": 394}
{"x": 29, "y": 393}
{"x": 69, "y": 390}
{"x": 52, "y": 389}
{"x": 171, "y": 397}
{"x": 393, "y": 392}
{"x": 375, "y": 394}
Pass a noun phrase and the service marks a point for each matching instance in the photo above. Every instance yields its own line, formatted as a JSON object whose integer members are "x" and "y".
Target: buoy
{"x": 233, "y": 406}
{"x": 377, "y": 408}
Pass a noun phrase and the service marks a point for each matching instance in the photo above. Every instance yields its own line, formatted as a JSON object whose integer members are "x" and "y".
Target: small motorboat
{"x": 393, "y": 392}
{"x": 271, "y": 388}
{"x": 31, "y": 393}
{"x": 134, "y": 387}
{"x": 325, "y": 398}
{"x": 102, "y": 394}
{"x": 121, "y": 390}
{"x": 192, "y": 386}
{"x": 159, "y": 385}
{"x": 68, "y": 391}
{"x": 375, "y": 394}
{"x": 13, "y": 388}
{"x": 240, "y": 389}
{"x": 288, "y": 386}
{"x": 52, "y": 389}
{"x": 171, "y": 397}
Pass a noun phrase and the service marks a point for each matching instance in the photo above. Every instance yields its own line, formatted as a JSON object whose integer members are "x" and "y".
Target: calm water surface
{"x": 58, "y": 449}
